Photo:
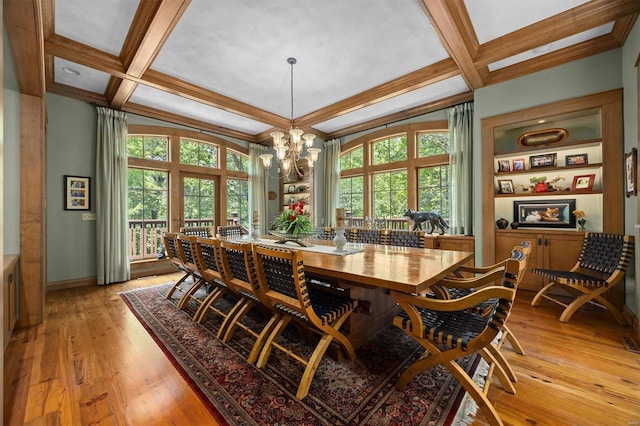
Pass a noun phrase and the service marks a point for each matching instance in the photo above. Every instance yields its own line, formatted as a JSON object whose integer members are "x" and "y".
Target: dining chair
{"x": 324, "y": 311}
{"x": 170, "y": 240}
{"x": 239, "y": 272}
{"x": 198, "y": 231}
{"x": 208, "y": 256}
{"x": 404, "y": 238}
{"x": 234, "y": 231}
{"x": 450, "y": 329}
{"x": 361, "y": 235}
{"x": 459, "y": 285}
{"x": 186, "y": 248}
{"x": 602, "y": 264}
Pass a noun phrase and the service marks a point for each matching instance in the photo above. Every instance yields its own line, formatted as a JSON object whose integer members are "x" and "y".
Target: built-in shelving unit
{"x": 298, "y": 186}
{"x": 583, "y": 168}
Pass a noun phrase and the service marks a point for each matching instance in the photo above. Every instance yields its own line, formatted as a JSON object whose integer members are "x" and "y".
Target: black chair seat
{"x": 454, "y": 329}
{"x": 571, "y": 278}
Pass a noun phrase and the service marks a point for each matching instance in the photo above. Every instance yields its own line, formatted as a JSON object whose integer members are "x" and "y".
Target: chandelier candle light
{"x": 289, "y": 147}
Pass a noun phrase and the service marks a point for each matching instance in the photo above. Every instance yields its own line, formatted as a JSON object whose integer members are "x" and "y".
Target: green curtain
{"x": 112, "y": 264}
{"x": 331, "y": 180}
{"x": 461, "y": 166}
{"x": 258, "y": 185}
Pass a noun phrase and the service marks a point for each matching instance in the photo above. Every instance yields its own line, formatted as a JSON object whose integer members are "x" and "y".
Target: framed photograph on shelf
{"x": 583, "y": 182}
{"x": 544, "y": 160}
{"x": 77, "y": 193}
{"x": 630, "y": 172}
{"x": 505, "y": 186}
{"x": 518, "y": 164}
{"x": 504, "y": 166}
{"x": 545, "y": 213}
{"x": 576, "y": 159}
{"x": 291, "y": 188}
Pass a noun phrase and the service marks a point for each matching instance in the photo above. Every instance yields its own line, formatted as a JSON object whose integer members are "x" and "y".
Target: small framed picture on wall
{"x": 77, "y": 193}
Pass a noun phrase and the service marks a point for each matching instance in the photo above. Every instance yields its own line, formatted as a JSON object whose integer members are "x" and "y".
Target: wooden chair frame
{"x": 590, "y": 278}
{"x": 482, "y": 276}
{"x": 209, "y": 263}
{"x": 187, "y": 249}
{"x": 173, "y": 254}
{"x": 301, "y": 308}
{"x": 246, "y": 287}
{"x": 444, "y": 346}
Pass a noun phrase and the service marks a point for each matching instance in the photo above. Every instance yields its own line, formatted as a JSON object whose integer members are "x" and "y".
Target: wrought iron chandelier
{"x": 290, "y": 146}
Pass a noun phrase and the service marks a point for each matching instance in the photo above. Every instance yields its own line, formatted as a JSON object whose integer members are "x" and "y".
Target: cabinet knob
{"x": 539, "y": 241}
{"x": 546, "y": 242}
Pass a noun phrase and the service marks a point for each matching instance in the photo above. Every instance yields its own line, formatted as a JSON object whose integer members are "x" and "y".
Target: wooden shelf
{"x": 550, "y": 169}
{"x": 589, "y": 143}
{"x": 548, "y": 194}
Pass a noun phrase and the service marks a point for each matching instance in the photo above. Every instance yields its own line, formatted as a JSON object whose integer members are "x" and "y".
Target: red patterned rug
{"x": 342, "y": 393}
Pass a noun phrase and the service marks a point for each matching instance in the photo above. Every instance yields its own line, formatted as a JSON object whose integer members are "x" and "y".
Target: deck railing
{"x": 145, "y": 236}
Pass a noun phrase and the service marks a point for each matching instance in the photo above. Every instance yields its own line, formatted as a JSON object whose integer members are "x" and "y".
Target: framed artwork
{"x": 505, "y": 186}
{"x": 583, "y": 182}
{"x": 576, "y": 160}
{"x": 545, "y": 213}
{"x": 504, "y": 166}
{"x": 544, "y": 160}
{"x": 630, "y": 172}
{"x": 518, "y": 164}
{"x": 77, "y": 193}
{"x": 291, "y": 188}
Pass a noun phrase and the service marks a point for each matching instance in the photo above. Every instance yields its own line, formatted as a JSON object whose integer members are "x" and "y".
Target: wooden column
{"x": 32, "y": 209}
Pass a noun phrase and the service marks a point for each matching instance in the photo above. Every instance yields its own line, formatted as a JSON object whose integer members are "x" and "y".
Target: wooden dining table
{"x": 372, "y": 271}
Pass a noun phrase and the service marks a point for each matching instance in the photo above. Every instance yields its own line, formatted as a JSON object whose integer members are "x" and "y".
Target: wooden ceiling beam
{"x": 90, "y": 57}
{"x": 623, "y": 27}
{"x": 187, "y": 90}
{"x": 185, "y": 121}
{"x": 581, "y": 18}
{"x": 415, "y": 80}
{"x": 403, "y": 115}
{"x": 153, "y": 23}
{"x": 451, "y": 22}
{"x": 24, "y": 23}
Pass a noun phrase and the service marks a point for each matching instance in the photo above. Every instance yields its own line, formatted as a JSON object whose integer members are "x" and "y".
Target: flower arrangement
{"x": 580, "y": 216}
{"x": 293, "y": 220}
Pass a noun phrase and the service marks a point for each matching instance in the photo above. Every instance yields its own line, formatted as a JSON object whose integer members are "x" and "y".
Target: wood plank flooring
{"x": 91, "y": 362}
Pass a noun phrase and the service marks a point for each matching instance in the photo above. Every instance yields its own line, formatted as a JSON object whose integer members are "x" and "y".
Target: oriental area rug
{"x": 342, "y": 392}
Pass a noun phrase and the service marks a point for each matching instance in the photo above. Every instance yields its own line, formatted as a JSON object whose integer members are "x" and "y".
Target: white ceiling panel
{"x": 151, "y": 97}
{"x": 88, "y": 78}
{"x": 96, "y": 23}
{"x": 494, "y": 18}
{"x": 443, "y": 89}
{"x": 552, "y": 47}
{"x": 240, "y": 49}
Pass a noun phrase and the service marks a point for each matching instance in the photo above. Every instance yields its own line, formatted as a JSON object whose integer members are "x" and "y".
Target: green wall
{"x": 630, "y": 76}
{"x": 71, "y": 150}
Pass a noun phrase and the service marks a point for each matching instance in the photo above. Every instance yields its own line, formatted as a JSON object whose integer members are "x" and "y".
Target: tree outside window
{"x": 148, "y": 209}
{"x": 148, "y": 147}
{"x": 199, "y": 201}
{"x": 196, "y": 153}
{"x": 389, "y": 194}
{"x": 352, "y": 195}
{"x": 389, "y": 150}
{"x": 237, "y": 162}
{"x": 238, "y": 200}
{"x": 433, "y": 190}
{"x": 352, "y": 159}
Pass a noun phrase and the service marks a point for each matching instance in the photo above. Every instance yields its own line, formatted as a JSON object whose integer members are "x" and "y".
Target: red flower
{"x": 292, "y": 217}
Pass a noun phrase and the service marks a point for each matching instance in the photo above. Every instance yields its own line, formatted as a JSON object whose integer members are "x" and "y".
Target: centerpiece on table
{"x": 293, "y": 224}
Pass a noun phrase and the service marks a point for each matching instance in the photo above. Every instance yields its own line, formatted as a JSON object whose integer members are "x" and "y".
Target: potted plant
{"x": 539, "y": 183}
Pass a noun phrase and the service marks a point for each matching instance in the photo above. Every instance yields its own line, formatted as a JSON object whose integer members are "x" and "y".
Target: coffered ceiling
{"x": 222, "y": 65}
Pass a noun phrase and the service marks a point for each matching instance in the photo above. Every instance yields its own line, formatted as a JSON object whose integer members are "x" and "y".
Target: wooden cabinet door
{"x": 457, "y": 243}
{"x": 561, "y": 251}
{"x": 506, "y": 241}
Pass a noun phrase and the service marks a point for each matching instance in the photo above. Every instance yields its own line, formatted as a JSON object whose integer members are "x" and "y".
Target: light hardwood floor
{"x": 92, "y": 362}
